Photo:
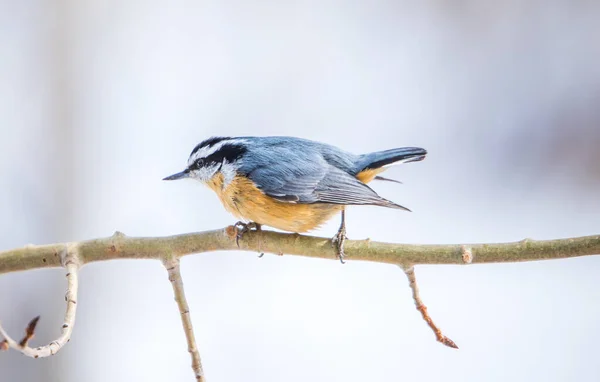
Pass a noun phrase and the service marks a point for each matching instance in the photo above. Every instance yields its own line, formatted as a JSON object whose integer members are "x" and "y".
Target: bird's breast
{"x": 245, "y": 200}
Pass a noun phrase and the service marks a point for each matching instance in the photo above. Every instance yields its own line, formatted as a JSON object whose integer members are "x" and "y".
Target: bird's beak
{"x": 180, "y": 175}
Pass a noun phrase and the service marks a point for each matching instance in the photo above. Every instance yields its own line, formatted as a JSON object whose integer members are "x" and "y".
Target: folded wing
{"x": 314, "y": 181}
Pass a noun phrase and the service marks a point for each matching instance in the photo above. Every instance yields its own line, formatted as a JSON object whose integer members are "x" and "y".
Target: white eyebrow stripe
{"x": 204, "y": 152}
{"x": 209, "y": 150}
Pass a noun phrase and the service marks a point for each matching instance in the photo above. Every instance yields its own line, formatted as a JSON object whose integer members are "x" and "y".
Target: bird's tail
{"x": 389, "y": 157}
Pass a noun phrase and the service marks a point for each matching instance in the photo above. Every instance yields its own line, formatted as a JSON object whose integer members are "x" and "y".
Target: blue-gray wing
{"x": 338, "y": 187}
{"x": 287, "y": 176}
{"x": 304, "y": 178}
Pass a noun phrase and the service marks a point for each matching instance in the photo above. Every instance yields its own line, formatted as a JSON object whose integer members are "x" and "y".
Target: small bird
{"x": 291, "y": 184}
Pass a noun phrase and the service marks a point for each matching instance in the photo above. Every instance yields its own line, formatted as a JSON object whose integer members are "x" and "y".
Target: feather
{"x": 390, "y": 157}
{"x": 388, "y": 179}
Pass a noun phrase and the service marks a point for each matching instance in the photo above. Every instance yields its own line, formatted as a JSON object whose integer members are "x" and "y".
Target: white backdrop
{"x": 99, "y": 100}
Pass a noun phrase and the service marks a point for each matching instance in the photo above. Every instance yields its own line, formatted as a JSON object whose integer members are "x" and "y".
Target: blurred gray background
{"x": 101, "y": 99}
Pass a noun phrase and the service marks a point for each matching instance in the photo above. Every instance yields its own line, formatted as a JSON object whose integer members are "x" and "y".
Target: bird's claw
{"x": 242, "y": 228}
{"x": 338, "y": 242}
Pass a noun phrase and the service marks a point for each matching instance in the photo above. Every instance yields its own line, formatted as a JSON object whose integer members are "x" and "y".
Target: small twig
{"x": 172, "y": 266}
{"x": 70, "y": 262}
{"x": 410, "y": 273}
{"x": 29, "y": 333}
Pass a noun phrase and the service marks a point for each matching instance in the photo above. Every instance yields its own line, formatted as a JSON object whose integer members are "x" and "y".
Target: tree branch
{"x": 120, "y": 246}
{"x": 172, "y": 267}
{"x": 70, "y": 261}
{"x": 169, "y": 249}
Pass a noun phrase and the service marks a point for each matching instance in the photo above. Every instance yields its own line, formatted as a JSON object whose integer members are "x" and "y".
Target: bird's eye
{"x": 199, "y": 163}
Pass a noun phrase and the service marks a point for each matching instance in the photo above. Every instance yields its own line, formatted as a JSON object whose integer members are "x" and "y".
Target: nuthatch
{"x": 288, "y": 183}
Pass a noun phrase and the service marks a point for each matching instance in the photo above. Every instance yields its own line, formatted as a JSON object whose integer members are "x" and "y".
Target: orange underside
{"x": 369, "y": 174}
{"x": 245, "y": 201}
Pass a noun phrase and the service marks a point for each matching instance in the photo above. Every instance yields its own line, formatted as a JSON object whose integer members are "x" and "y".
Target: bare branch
{"x": 410, "y": 273}
{"x": 120, "y": 246}
{"x": 70, "y": 262}
{"x": 170, "y": 249}
{"x": 172, "y": 266}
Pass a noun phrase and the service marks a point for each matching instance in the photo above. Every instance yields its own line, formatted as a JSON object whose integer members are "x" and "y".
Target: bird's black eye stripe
{"x": 198, "y": 164}
{"x": 228, "y": 152}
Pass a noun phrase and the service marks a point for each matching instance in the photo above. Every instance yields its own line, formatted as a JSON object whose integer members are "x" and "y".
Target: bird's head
{"x": 211, "y": 156}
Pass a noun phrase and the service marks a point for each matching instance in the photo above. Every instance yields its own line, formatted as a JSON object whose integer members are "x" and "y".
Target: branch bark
{"x": 120, "y": 246}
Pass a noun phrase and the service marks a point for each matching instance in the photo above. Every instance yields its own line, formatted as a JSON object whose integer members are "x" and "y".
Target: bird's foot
{"x": 338, "y": 242}
{"x": 241, "y": 228}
